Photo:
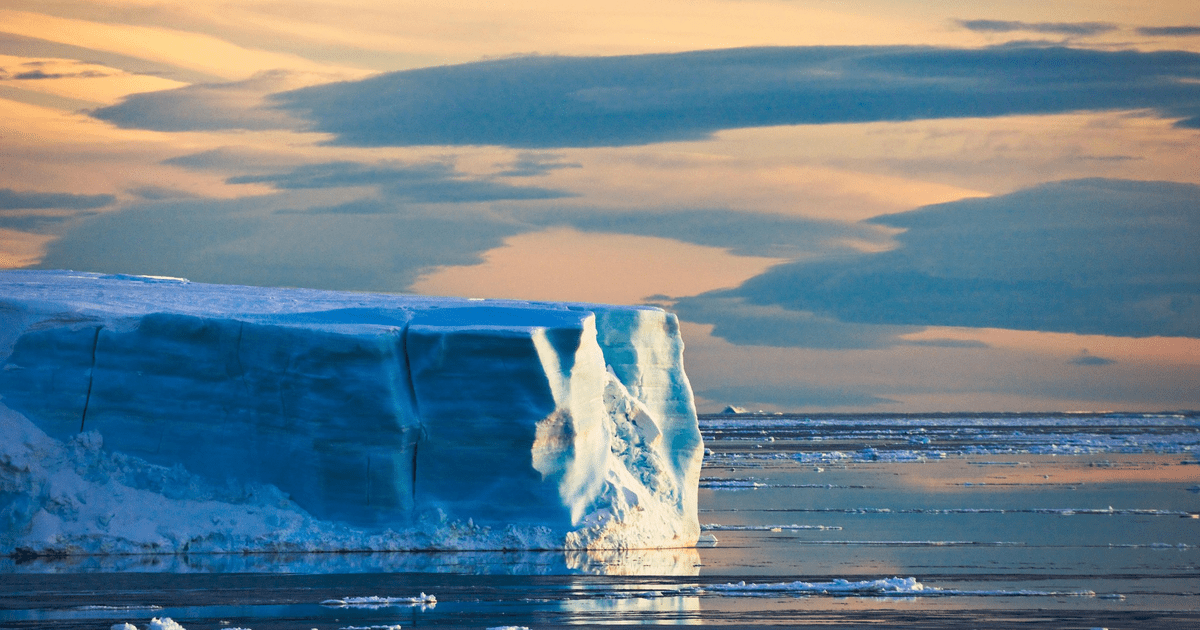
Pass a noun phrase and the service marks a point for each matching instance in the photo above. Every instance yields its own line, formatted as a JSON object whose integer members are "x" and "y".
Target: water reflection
{"x": 668, "y": 562}
{"x": 648, "y": 607}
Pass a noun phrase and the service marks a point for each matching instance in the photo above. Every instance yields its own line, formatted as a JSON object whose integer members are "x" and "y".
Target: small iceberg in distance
{"x": 155, "y": 415}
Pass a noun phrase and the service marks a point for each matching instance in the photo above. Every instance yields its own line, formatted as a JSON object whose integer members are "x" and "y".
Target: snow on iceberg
{"x": 155, "y": 414}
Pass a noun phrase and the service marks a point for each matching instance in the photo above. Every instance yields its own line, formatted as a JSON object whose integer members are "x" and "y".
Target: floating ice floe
{"x": 130, "y": 607}
{"x": 374, "y": 602}
{"x": 885, "y": 587}
{"x": 896, "y": 585}
{"x": 717, "y": 483}
{"x": 716, "y": 527}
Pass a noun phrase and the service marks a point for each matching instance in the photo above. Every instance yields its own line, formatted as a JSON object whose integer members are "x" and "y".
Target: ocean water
{"x": 934, "y": 521}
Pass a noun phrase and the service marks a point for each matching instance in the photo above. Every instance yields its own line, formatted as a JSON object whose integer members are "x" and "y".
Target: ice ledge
{"x": 155, "y": 414}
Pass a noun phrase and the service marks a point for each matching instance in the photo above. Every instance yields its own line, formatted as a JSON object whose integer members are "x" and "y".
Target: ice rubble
{"x": 144, "y": 414}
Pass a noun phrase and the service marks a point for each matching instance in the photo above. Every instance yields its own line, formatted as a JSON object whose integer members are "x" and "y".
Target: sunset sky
{"x": 880, "y": 205}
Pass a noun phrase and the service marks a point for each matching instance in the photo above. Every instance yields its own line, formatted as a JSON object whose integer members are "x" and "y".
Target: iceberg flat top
{"x": 121, "y": 294}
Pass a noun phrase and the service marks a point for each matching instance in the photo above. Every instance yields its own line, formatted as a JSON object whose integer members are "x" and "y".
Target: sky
{"x": 879, "y": 206}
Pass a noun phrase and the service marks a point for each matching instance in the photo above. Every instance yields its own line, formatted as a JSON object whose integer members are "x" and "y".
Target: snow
{"x": 159, "y": 415}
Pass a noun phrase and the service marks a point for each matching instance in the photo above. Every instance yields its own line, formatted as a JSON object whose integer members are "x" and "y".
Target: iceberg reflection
{"x": 666, "y": 562}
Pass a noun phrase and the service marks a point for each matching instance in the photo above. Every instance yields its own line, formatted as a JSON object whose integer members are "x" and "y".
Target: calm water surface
{"x": 1071, "y": 521}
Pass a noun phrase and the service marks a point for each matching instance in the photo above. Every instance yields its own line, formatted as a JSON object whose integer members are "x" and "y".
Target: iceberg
{"x": 151, "y": 414}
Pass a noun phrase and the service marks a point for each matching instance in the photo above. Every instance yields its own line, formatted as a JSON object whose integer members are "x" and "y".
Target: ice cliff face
{"x": 151, "y": 414}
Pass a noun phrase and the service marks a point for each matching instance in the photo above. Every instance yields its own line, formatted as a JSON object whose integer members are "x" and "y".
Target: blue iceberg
{"x": 145, "y": 414}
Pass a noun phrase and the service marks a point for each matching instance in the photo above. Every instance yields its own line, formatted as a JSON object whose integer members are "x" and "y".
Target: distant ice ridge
{"x": 157, "y": 415}
{"x": 884, "y": 587}
{"x": 939, "y": 437}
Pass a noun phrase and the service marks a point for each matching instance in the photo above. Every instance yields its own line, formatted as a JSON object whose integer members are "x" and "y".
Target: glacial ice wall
{"x": 231, "y": 418}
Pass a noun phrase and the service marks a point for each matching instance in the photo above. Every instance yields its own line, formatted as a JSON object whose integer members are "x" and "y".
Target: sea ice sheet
{"x": 325, "y": 420}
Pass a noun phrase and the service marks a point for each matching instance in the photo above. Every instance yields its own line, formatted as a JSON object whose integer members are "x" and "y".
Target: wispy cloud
{"x": 1054, "y": 28}
{"x": 208, "y": 106}
{"x": 773, "y": 326}
{"x": 38, "y": 223}
{"x": 430, "y": 182}
{"x": 1088, "y": 359}
{"x": 341, "y": 174}
{"x": 742, "y": 233}
{"x": 532, "y": 164}
{"x": 46, "y": 213}
{"x": 13, "y": 200}
{"x": 24, "y": 46}
{"x": 1169, "y": 31}
{"x": 35, "y": 70}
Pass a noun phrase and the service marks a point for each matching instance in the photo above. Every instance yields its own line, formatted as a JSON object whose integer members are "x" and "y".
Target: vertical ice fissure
{"x": 237, "y": 359}
{"x": 91, "y": 377}
{"x": 412, "y": 401}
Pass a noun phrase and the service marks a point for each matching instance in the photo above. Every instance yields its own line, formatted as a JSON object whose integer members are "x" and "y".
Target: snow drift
{"x": 154, "y": 414}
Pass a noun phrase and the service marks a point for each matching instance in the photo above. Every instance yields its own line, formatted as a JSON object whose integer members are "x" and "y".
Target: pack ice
{"x": 144, "y": 414}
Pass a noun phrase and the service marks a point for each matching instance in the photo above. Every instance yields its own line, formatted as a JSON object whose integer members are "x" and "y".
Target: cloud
{"x": 15, "y": 200}
{"x": 40, "y": 74}
{"x": 788, "y": 396}
{"x": 752, "y": 325}
{"x": 547, "y": 101}
{"x": 742, "y": 233}
{"x": 608, "y": 101}
{"x": 283, "y": 239}
{"x": 531, "y": 164}
{"x": 1085, "y": 358}
{"x": 22, "y": 46}
{"x": 37, "y": 223}
{"x": 1169, "y": 31}
{"x": 947, "y": 343}
{"x": 466, "y": 191}
{"x": 238, "y": 160}
{"x": 1108, "y": 257}
{"x": 207, "y": 106}
{"x": 430, "y": 182}
{"x": 1055, "y": 28}
{"x": 339, "y": 174}
{"x": 159, "y": 193}
{"x": 370, "y": 205}
{"x": 380, "y": 225}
